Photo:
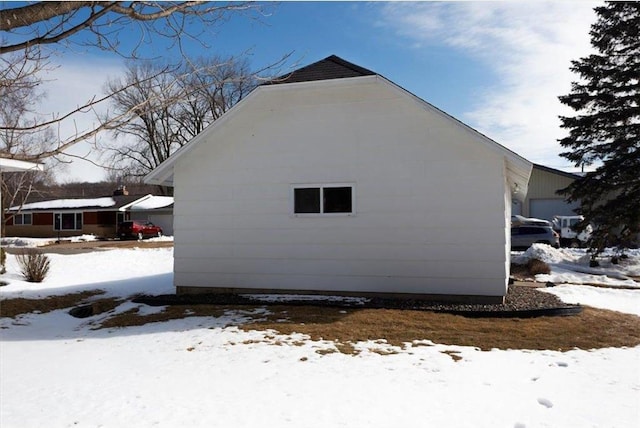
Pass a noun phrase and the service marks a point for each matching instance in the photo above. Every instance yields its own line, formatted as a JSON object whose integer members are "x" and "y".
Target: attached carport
{"x": 156, "y": 209}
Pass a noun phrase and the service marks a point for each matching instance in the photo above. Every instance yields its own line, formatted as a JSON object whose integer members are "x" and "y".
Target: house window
{"x": 22, "y": 219}
{"x": 306, "y": 200}
{"x": 323, "y": 199}
{"x": 67, "y": 221}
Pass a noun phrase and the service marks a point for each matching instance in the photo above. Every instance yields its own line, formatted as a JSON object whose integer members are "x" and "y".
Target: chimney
{"x": 121, "y": 191}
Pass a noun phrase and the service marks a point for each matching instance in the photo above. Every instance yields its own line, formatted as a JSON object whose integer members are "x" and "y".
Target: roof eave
{"x": 556, "y": 171}
{"x": 518, "y": 167}
{"x": 518, "y": 164}
{"x": 137, "y": 201}
{"x": 518, "y": 172}
{"x": 14, "y": 165}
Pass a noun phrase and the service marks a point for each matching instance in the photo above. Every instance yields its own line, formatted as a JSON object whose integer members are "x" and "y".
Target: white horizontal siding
{"x": 353, "y": 251}
{"x": 372, "y": 284}
{"x": 340, "y": 267}
{"x": 429, "y": 201}
{"x": 468, "y": 225}
{"x": 344, "y": 236}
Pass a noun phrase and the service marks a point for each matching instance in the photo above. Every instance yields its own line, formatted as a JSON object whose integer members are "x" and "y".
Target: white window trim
{"x": 321, "y": 186}
{"x": 22, "y": 216}
{"x": 75, "y": 213}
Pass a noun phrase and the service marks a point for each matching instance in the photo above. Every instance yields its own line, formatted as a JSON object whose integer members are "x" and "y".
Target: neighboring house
{"x": 542, "y": 199}
{"x": 335, "y": 180}
{"x": 71, "y": 217}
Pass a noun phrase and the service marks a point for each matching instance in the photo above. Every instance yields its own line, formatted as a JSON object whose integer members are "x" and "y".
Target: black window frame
{"x": 323, "y": 207}
{"x": 22, "y": 216}
{"x": 78, "y": 220}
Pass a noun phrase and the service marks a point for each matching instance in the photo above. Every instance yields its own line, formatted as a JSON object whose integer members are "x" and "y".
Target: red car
{"x": 137, "y": 229}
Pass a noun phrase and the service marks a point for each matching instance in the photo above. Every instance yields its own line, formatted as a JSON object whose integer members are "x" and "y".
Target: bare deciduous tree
{"x": 19, "y": 139}
{"x": 161, "y": 109}
{"x": 29, "y": 29}
{"x": 57, "y": 21}
{"x": 19, "y": 96}
{"x": 212, "y": 86}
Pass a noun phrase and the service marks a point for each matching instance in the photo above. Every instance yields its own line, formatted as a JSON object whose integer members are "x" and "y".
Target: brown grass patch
{"x": 132, "y": 318}
{"x": 326, "y": 351}
{"x": 14, "y": 307}
{"x": 346, "y": 348}
{"x": 383, "y": 351}
{"x": 453, "y": 354}
{"x": 101, "y": 306}
{"x": 593, "y": 328}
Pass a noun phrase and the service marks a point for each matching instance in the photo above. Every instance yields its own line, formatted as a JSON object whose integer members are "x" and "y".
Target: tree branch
{"x": 42, "y": 11}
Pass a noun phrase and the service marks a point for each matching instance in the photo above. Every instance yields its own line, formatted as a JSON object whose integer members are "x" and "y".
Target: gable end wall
{"x": 430, "y": 201}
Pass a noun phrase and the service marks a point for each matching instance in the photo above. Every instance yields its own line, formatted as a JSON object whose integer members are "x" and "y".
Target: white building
{"x": 335, "y": 180}
{"x": 543, "y": 200}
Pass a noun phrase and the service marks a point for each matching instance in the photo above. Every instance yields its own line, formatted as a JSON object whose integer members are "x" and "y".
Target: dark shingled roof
{"x": 557, "y": 171}
{"x": 332, "y": 67}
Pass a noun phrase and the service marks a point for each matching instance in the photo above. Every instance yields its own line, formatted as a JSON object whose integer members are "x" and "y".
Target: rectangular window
{"x": 337, "y": 200}
{"x": 323, "y": 199}
{"x": 67, "y": 221}
{"x": 22, "y": 219}
{"x": 306, "y": 200}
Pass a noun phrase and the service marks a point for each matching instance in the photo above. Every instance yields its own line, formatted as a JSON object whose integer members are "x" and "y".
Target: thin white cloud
{"x": 528, "y": 45}
{"x": 68, "y": 86}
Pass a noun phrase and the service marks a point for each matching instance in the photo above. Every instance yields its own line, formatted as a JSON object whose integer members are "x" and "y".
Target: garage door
{"x": 547, "y": 208}
{"x": 165, "y": 221}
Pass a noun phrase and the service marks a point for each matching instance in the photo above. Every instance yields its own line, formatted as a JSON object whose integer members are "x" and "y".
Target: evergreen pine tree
{"x": 605, "y": 132}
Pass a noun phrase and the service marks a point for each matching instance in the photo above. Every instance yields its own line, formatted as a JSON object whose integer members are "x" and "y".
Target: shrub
{"x": 529, "y": 269}
{"x": 519, "y": 271}
{"x": 34, "y": 265}
{"x": 536, "y": 266}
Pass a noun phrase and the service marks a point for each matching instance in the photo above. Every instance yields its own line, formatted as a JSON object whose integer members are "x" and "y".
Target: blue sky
{"x": 356, "y": 31}
{"x": 497, "y": 66}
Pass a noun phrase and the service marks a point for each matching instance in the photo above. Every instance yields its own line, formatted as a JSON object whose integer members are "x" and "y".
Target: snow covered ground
{"x": 571, "y": 265}
{"x": 40, "y": 242}
{"x": 205, "y": 372}
{"x": 610, "y": 286}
